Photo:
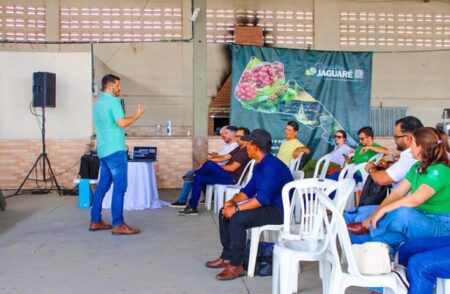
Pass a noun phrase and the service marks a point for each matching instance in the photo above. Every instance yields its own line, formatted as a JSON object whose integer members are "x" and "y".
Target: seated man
{"x": 259, "y": 203}
{"x": 404, "y": 129}
{"x": 291, "y": 148}
{"x": 366, "y": 150}
{"x": 228, "y": 135}
{"x": 211, "y": 173}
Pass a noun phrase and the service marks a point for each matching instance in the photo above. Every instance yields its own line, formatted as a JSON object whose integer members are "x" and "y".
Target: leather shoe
{"x": 357, "y": 229}
{"x": 124, "y": 229}
{"x": 218, "y": 263}
{"x": 231, "y": 272}
{"x": 99, "y": 226}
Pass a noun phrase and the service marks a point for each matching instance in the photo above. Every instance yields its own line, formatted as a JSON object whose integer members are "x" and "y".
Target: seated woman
{"x": 419, "y": 207}
{"x": 425, "y": 260}
{"x": 340, "y": 152}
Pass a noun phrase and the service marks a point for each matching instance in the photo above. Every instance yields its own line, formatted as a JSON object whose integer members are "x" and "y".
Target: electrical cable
{"x": 36, "y": 115}
{"x": 69, "y": 168}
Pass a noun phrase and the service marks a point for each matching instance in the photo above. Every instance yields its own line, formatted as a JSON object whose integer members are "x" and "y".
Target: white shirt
{"x": 227, "y": 149}
{"x": 398, "y": 170}
{"x": 339, "y": 152}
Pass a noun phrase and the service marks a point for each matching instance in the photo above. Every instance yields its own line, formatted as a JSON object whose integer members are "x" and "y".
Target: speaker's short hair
{"x": 109, "y": 78}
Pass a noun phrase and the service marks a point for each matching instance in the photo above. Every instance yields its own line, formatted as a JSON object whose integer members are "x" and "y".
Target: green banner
{"x": 323, "y": 91}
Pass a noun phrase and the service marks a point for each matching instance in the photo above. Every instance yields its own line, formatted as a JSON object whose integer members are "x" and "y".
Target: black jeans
{"x": 233, "y": 231}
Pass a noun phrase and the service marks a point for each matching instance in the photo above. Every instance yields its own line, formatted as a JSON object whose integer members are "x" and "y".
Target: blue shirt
{"x": 269, "y": 177}
{"x": 110, "y": 137}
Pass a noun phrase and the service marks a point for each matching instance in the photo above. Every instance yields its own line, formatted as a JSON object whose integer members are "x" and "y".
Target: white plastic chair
{"x": 208, "y": 196}
{"x": 347, "y": 173}
{"x": 360, "y": 167}
{"x": 377, "y": 157}
{"x": 231, "y": 190}
{"x": 294, "y": 212}
{"x": 294, "y": 167}
{"x": 320, "y": 171}
{"x": 305, "y": 241}
{"x": 255, "y": 234}
{"x": 218, "y": 189}
{"x": 298, "y": 175}
{"x": 221, "y": 191}
{"x": 443, "y": 286}
{"x": 342, "y": 279}
{"x": 344, "y": 192}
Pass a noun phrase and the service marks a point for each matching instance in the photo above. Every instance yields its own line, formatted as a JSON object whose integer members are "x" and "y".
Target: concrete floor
{"x": 45, "y": 247}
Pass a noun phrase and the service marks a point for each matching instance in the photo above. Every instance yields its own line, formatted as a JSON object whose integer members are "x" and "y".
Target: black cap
{"x": 260, "y": 138}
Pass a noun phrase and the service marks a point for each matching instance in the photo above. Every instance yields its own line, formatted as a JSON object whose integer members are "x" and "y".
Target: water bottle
{"x": 169, "y": 128}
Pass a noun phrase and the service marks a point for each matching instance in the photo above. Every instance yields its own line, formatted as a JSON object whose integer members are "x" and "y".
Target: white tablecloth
{"x": 142, "y": 191}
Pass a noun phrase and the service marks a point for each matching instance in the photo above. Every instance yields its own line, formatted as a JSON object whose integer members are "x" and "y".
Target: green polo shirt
{"x": 360, "y": 158}
{"x": 437, "y": 176}
{"x": 110, "y": 137}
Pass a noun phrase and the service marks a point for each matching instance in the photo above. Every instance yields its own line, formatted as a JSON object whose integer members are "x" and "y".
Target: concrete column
{"x": 200, "y": 107}
{"x": 52, "y": 19}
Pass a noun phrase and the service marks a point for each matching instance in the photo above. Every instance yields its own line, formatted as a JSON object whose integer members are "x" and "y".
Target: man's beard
{"x": 400, "y": 148}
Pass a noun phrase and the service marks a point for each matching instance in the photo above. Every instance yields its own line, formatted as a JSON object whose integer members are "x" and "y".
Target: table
{"x": 142, "y": 191}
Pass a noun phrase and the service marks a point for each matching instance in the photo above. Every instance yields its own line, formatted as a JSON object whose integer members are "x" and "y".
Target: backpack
{"x": 372, "y": 193}
{"x": 263, "y": 266}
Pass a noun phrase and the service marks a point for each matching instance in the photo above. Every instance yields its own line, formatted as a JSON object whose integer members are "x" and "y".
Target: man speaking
{"x": 110, "y": 121}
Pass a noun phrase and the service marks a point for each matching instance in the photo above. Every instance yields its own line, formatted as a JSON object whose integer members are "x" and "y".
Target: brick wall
{"x": 220, "y": 104}
{"x": 18, "y": 156}
{"x": 174, "y": 158}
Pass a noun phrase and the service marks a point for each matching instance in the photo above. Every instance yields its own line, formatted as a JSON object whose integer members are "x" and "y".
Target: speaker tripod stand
{"x": 41, "y": 161}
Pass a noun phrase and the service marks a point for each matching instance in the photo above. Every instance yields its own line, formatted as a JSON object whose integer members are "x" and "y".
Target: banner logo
{"x": 334, "y": 72}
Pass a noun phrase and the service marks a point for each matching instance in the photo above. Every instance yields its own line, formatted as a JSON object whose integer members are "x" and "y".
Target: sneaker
{"x": 188, "y": 178}
{"x": 188, "y": 211}
{"x": 177, "y": 204}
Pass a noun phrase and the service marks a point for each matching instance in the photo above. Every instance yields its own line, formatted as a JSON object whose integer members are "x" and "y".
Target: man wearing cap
{"x": 257, "y": 204}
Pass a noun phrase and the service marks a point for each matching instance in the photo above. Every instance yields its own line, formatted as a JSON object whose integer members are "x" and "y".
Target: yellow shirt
{"x": 287, "y": 149}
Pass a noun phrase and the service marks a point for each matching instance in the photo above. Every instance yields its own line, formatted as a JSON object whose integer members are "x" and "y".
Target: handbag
{"x": 372, "y": 258}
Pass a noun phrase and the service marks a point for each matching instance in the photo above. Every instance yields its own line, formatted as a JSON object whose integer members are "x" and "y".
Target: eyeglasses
{"x": 362, "y": 138}
{"x": 398, "y": 137}
{"x": 338, "y": 137}
{"x": 237, "y": 136}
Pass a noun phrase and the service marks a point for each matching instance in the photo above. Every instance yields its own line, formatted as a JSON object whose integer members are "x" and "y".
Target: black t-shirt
{"x": 238, "y": 155}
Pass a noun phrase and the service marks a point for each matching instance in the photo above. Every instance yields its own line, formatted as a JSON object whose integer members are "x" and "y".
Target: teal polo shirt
{"x": 110, "y": 137}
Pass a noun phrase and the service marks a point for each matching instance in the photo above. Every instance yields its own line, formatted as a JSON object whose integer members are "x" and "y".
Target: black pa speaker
{"x": 44, "y": 89}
